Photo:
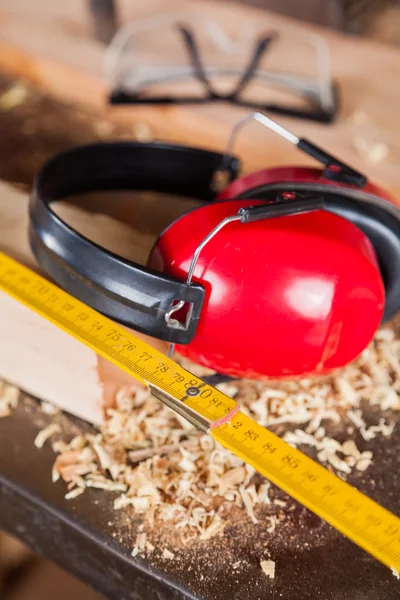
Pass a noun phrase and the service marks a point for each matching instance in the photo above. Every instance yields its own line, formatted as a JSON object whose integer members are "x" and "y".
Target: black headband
{"x": 121, "y": 289}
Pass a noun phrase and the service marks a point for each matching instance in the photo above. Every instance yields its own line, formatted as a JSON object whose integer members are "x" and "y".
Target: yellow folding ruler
{"x": 365, "y": 522}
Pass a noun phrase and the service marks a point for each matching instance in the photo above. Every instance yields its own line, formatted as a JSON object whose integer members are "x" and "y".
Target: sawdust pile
{"x": 169, "y": 473}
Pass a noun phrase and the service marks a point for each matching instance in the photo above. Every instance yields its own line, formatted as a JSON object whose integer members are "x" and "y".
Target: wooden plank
{"x": 55, "y": 51}
{"x": 39, "y": 357}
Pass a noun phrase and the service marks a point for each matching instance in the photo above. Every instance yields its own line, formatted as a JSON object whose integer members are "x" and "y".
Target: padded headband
{"x": 121, "y": 289}
{"x": 379, "y": 219}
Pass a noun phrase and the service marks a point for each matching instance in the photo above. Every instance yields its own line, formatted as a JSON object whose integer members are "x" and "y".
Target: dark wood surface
{"x": 312, "y": 560}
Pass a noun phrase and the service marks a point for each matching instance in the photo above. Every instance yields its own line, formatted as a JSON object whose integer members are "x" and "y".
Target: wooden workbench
{"x": 57, "y": 53}
{"x": 312, "y": 560}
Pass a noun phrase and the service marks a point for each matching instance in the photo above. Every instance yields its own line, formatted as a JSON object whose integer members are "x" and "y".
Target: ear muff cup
{"x": 379, "y": 219}
{"x": 288, "y": 296}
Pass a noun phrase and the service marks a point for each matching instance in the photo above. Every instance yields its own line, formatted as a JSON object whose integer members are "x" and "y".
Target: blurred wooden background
{"x": 351, "y": 16}
{"x": 374, "y": 18}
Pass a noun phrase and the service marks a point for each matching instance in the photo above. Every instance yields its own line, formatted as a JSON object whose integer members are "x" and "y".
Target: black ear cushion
{"x": 383, "y": 229}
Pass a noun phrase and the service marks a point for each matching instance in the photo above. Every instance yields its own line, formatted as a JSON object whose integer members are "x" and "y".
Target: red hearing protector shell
{"x": 287, "y": 296}
{"x": 293, "y": 295}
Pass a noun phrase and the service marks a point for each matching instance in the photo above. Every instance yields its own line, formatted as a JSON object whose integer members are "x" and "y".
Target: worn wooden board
{"x": 39, "y": 357}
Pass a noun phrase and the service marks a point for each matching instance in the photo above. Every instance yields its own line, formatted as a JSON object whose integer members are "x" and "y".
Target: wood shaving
{"x": 46, "y": 434}
{"x": 48, "y": 408}
{"x": 363, "y": 464}
{"x": 231, "y": 479}
{"x": 105, "y": 484}
{"x": 149, "y": 548}
{"x": 167, "y": 554}
{"x": 349, "y": 448}
{"x": 141, "y": 540}
{"x": 268, "y": 566}
{"x": 371, "y": 151}
{"x": 9, "y": 397}
{"x": 272, "y": 525}
{"x": 74, "y": 493}
{"x": 142, "y": 132}
{"x": 139, "y": 455}
{"x": 395, "y": 573}
{"x": 216, "y": 527}
{"x": 16, "y": 95}
{"x": 278, "y": 502}
{"x": 248, "y": 504}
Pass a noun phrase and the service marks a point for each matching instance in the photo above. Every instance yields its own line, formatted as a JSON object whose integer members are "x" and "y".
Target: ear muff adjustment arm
{"x": 296, "y": 204}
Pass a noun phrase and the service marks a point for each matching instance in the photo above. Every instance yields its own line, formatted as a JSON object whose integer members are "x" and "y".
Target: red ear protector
{"x": 290, "y": 272}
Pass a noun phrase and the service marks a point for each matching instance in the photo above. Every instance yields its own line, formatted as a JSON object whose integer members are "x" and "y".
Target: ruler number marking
{"x": 114, "y": 335}
{"x": 97, "y": 326}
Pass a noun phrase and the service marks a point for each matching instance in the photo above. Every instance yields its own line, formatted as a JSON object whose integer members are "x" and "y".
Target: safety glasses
{"x": 186, "y": 59}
